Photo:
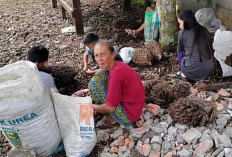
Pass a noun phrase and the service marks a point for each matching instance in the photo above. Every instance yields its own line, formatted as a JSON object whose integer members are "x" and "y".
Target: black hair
{"x": 108, "y": 44}
{"x": 38, "y": 54}
{"x": 147, "y": 4}
{"x": 201, "y": 34}
{"x": 90, "y": 38}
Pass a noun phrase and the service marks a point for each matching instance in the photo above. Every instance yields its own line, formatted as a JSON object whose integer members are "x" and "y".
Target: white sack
{"x": 76, "y": 123}
{"x": 27, "y": 115}
{"x": 207, "y": 18}
{"x": 223, "y": 47}
{"x": 126, "y": 53}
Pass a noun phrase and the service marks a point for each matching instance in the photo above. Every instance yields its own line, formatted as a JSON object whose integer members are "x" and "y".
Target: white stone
{"x": 202, "y": 128}
{"x": 229, "y": 112}
{"x": 228, "y": 131}
{"x": 179, "y": 138}
{"x": 147, "y": 115}
{"x": 204, "y": 147}
{"x": 147, "y": 141}
{"x": 170, "y": 137}
{"x": 105, "y": 155}
{"x": 116, "y": 134}
{"x": 167, "y": 145}
{"x": 228, "y": 151}
{"x": 172, "y": 130}
{"x": 148, "y": 122}
{"x": 156, "y": 139}
{"x": 164, "y": 125}
{"x": 230, "y": 104}
{"x": 205, "y": 137}
{"x": 191, "y": 135}
{"x": 221, "y": 122}
{"x": 216, "y": 152}
{"x": 157, "y": 129}
{"x": 169, "y": 120}
{"x": 184, "y": 153}
{"x": 181, "y": 126}
{"x": 146, "y": 149}
{"x": 224, "y": 139}
{"x": 207, "y": 131}
{"x": 225, "y": 116}
{"x": 106, "y": 149}
{"x": 103, "y": 135}
{"x": 222, "y": 154}
{"x": 156, "y": 146}
{"x": 123, "y": 153}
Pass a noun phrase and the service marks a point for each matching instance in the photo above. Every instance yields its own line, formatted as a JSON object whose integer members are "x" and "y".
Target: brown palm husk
{"x": 147, "y": 84}
{"x": 180, "y": 89}
{"x": 193, "y": 111}
{"x": 155, "y": 49}
{"x": 164, "y": 93}
{"x": 161, "y": 94}
{"x": 64, "y": 78}
{"x": 228, "y": 60}
{"x": 142, "y": 57}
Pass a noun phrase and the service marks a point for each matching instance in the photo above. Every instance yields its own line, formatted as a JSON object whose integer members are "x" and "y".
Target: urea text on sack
{"x": 19, "y": 120}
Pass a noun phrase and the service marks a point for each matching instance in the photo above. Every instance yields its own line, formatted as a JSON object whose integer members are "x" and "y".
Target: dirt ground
{"x": 26, "y": 23}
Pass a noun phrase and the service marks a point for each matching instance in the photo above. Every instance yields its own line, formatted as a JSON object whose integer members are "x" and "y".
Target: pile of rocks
{"x": 159, "y": 136}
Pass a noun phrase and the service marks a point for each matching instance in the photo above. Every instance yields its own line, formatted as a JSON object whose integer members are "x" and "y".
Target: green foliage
{"x": 138, "y": 2}
{"x": 63, "y": 25}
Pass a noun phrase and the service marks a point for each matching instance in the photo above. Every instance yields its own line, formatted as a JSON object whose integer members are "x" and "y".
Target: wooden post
{"x": 54, "y": 3}
{"x": 77, "y": 15}
{"x": 63, "y": 13}
{"x": 215, "y": 86}
{"x": 168, "y": 25}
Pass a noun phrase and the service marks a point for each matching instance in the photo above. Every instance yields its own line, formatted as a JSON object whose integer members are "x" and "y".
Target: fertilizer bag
{"x": 27, "y": 116}
{"x": 76, "y": 123}
{"x": 223, "y": 48}
{"x": 126, "y": 53}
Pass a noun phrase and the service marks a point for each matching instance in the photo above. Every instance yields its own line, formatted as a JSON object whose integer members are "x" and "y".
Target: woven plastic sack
{"x": 76, "y": 122}
{"x": 27, "y": 116}
{"x": 126, "y": 53}
{"x": 223, "y": 48}
{"x": 207, "y": 19}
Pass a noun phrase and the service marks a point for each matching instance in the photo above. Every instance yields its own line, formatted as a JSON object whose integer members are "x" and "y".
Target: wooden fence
{"x": 74, "y": 11}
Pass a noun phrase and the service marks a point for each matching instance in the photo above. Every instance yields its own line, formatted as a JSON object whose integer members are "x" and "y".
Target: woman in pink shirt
{"x": 115, "y": 89}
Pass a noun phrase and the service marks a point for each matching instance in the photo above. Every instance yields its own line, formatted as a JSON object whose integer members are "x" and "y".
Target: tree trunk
{"x": 168, "y": 25}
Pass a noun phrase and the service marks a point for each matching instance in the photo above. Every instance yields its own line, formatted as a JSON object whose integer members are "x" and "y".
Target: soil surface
{"x": 26, "y": 23}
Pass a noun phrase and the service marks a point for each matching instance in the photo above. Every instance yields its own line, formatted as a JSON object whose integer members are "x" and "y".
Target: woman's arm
{"x": 103, "y": 108}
